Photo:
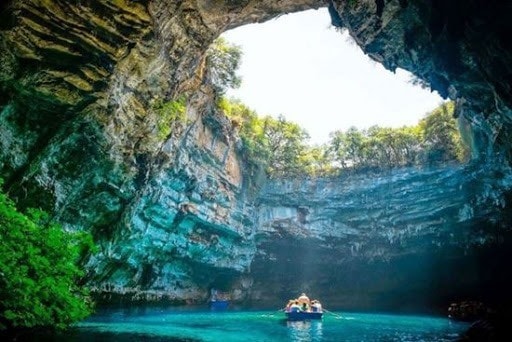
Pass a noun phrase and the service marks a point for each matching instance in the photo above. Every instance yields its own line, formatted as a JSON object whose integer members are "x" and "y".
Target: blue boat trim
{"x": 219, "y": 304}
{"x": 303, "y": 315}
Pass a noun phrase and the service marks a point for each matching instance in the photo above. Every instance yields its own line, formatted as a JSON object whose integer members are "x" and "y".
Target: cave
{"x": 81, "y": 88}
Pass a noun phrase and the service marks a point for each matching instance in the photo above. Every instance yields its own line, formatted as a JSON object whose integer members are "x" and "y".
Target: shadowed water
{"x": 201, "y": 325}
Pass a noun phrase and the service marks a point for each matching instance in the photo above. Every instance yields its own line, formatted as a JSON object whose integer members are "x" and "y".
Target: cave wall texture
{"x": 80, "y": 87}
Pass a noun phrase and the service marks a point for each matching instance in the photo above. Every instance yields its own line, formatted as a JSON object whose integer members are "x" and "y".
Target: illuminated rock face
{"x": 396, "y": 239}
{"x": 81, "y": 89}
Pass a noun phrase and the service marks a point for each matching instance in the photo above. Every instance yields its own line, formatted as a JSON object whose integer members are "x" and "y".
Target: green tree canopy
{"x": 38, "y": 271}
{"x": 286, "y": 143}
{"x": 281, "y": 147}
{"x": 222, "y": 63}
{"x": 441, "y": 137}
{"x": 434, "y": 140}
{"x": 278, "y": 145}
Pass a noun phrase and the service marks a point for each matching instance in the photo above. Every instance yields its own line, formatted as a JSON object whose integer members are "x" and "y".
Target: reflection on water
{"x": 202, "y": 325}
{"x": 299, "y": 331}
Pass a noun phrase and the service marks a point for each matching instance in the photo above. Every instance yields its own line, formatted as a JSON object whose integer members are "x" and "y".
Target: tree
{"x": 316, "y": 161}
{"x": 286, "y": 145}
{"x": 39, "y": 271}
{"x": 348, "y": 147}
{"x": 277, "y": 145}
{"x": 280, "y": 146}
{"x": 222, "y": 63}
{"x": 441, "y": 138}
{"x": 250, "y": 128}
{"x": 434, "y": 140}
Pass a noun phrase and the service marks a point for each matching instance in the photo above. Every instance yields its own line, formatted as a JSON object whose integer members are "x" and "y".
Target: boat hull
{"x": 219, "y": 304}
{"x": 301, "y": 316}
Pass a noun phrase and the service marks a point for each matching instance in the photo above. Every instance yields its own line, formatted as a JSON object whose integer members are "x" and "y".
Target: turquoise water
{"x": 201, "y": 325}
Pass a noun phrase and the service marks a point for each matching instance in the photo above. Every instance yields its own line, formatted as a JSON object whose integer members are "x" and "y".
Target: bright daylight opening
{"x": 300, "y": 67}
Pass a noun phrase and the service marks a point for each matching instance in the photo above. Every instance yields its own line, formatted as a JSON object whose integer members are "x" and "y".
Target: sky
{"x": 299, "y": 66}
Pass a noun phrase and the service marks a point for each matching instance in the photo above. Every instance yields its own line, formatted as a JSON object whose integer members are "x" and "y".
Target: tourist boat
{"x": 303, "y": 315}
{"x": 302, "y": 309}
{"x": 219, "y": 304}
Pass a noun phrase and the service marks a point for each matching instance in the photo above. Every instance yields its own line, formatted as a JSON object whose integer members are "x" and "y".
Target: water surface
{"x": 189, "y": 325}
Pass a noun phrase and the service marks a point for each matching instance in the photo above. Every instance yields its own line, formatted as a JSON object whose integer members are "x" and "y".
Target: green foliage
{"x": 39, "y": 271}
{"x": 286, "y": 143}
{"x": 316, "y": 161}
{"x": 250, "y": 126}
{"x": 222, "y": 61}
{"x": 170, "y": 114}
{"x": 376, "y": 147}
{"x": 434, "y": 140}
{"x": 281, "y": 148}
{"x": 278, "y": 146}
{"x": 442, "y": 140}
{"x": 352, "y": 3}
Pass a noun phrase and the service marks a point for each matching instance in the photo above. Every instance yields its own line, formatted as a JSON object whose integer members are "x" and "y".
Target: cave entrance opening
{"x": 348, "y": 110}
{"x": 301, "y": 67}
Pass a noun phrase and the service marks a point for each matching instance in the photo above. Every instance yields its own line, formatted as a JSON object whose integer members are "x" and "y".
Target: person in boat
{"x": 295, "y": 307}
{"x": 289, "y": 305}
{"x": 303, "y": 299}
{"x": 316, "y": 306}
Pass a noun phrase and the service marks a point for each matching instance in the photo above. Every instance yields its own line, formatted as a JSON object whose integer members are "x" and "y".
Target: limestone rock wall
{"x": 189, "y": 226}
{"x": 365, "y": 240}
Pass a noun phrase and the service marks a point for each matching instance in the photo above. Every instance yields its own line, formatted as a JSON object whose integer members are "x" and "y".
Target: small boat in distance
{"x": 302, "y": 308}
{"x": 218, "y": 300}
